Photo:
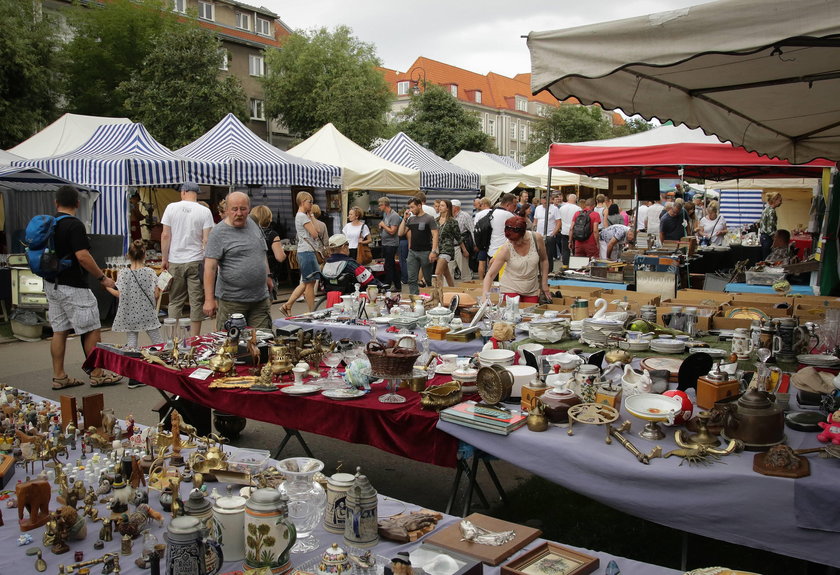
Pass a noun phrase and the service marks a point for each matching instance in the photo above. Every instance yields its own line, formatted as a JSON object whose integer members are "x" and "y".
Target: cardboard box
{"x": 818, "y": 301}
{"x": 806, "y": 312}
{"x": 704, "y": 323}
{"x": 697, "y": 295}
{"x": 577, "y": 291}
{"x": 630, "y": 296}
{"x": 720, "y": 321}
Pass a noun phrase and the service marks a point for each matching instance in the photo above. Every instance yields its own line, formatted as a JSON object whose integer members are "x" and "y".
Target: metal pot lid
{"x": 196, "y": 504}
{"x": 184, "y": 524}
{"x": 344, "y": 479}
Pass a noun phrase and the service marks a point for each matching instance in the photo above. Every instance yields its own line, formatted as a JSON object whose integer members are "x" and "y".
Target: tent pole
{"x": 547, "y": 202}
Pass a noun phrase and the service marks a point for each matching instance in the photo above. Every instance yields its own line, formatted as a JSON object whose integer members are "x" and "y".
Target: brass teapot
{"x": 222, "y": 362}
{"x": 281, "y": 362}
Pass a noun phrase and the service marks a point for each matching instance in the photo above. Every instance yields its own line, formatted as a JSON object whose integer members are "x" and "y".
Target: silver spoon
{"x": 763, "y": 354}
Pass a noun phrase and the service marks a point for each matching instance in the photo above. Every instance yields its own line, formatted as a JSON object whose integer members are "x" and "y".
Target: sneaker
{"x": 134, "y": 384}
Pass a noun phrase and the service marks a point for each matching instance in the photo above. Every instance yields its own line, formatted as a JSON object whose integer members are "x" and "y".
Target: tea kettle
{"x": 755, "y": 420}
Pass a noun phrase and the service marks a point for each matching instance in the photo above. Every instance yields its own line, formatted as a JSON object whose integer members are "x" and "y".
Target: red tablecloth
{"x": 399, "y": 428}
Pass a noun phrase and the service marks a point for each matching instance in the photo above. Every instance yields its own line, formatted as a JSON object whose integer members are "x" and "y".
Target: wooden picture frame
{"x": 333, "y": 201}
{"x": 551, "y": 559}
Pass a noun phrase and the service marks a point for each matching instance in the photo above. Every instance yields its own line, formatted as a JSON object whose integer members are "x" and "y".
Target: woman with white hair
{"x": 712, "y": 226}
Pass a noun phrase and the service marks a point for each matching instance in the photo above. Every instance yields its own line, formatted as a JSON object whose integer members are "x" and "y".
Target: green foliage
{"x": 179, "y": 94}
{"x": 27, "y": 64}
{"x": 110, "y": 42}
{"x": 319, "y": 77}
{"x": 574, "y": 123}
{"x": 436, "y": 120}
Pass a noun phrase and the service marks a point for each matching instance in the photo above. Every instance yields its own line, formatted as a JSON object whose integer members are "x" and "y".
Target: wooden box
{"x": 710, "y": 392}
{"x": 437, "y": 332}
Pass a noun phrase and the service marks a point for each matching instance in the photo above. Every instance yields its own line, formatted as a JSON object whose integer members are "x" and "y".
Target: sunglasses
{"x": 515, "y": 229}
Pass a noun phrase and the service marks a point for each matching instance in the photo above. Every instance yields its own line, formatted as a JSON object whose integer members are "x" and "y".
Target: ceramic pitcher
{"x": 741, "y": 343}
{"x": 361, "y": 524}
{"x": 187, "y": 549}
{"x": 269, "y": 535}
{"x": 229, "y": 525}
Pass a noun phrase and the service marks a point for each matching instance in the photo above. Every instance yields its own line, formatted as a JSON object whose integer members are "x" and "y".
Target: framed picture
{"x": 333, "y": 201}
{"x": 551, "y": 559}
{"x": 621, "y": 188}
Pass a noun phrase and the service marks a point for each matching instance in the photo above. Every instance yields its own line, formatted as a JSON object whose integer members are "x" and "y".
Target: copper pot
{"x": 755, "y": 420}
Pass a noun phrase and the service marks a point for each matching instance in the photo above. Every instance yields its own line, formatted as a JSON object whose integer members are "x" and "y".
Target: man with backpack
{"x": 583, "y": 238}
{"x": 72, "y": 304}
{"x": 482, "y": 230}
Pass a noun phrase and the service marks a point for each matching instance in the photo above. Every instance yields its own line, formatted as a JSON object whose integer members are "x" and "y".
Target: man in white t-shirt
{"x": 654, "y": 214}
{"x": 551, "y": 235}
{"x": 186, "y": 227}
{"x": 568, "y": 211}
{"x": 502, "y": 213}
{"x": 641, "y": 215}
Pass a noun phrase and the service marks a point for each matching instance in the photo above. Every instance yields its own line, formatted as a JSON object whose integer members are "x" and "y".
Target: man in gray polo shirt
{"x": 388, "y": 228}
{"x": 236, "y": 250}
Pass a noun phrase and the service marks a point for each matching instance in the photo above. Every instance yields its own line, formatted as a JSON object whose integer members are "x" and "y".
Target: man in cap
{"x": 186, "y": 227}
{"x": 341, "y": 272}
{"x": 465, "y": 225}
{"x": 236, "y": 250}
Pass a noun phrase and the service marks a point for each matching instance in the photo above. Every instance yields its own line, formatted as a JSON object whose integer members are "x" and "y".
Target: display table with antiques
{"x": 97, "y": 511}
{"x": 766, "y": 289}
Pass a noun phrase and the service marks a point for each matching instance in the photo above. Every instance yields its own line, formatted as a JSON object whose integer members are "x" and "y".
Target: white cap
{"x": 456, "y": 203}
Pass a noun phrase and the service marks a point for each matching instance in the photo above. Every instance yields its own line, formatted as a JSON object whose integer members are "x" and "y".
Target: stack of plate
{"x": 503, "y": 357}
{"x": 641, "y": 345}
{"x": 548, "y": 330}
{"x": 598, "y": 331}
{"x": 660, "y": 345}
{"x": 818, "y": 360}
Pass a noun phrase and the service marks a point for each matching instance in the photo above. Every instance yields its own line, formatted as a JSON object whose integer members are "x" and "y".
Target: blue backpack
{"x": 40, "y": 247}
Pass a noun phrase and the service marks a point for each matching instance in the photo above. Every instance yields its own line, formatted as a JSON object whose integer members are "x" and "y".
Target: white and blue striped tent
{"x": 504, "y": 160}
{"x": 436, "y": 174}
{"x": 230, "y": 154}
{"x": 741, "y": 207}
{"x": 115, "y": 157}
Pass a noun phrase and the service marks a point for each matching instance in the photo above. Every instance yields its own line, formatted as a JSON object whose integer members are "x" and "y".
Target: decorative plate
{"x": 343, "y": 394}
{"x": 747, "y": 313}
{"x": 818, "y": 360}
{"x": 713, "y": 351}
{"x": 300, "y": 389}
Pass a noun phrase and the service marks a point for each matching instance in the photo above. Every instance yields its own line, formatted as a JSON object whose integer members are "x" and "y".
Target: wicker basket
{"x": 392, "y": 361}
{"x": 442, "y": 396}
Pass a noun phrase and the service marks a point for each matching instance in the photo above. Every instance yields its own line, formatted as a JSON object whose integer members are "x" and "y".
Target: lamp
{"x": 417, "y": 78}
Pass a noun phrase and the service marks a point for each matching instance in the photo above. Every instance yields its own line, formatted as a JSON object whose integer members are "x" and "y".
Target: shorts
{"x": 310, "y": 271}
{"x": 72, "y": 308}
{"x": 445, "y": 257}
{"x": 482, "y": 256}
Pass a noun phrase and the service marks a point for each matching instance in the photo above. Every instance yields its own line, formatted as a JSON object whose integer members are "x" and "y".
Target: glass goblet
{"x": 331, "y": 360}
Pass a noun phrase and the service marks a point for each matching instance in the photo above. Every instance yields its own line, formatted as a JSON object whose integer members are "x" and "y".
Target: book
{"x": 464, "y": 414}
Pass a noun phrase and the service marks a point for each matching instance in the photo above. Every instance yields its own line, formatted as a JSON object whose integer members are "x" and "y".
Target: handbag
{"x": 318, "y": 248}
{"x": 363, "y": 254}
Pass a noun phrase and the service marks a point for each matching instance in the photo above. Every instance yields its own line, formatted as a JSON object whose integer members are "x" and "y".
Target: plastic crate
{"x": 764, "y": 278}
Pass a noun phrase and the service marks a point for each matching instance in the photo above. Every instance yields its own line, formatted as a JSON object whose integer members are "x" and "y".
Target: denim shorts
{"x": 310, "y": 271}
{"x": 482, "y": 256}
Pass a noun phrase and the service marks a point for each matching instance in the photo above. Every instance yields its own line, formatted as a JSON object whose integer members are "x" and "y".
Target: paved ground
{"x": 27, "y": 365}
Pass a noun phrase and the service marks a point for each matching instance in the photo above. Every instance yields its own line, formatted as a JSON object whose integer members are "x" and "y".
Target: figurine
{"x": 129, "y": 427}
{"x": 123, "y": 494}
{"x": 125, "y": 548}
{"x": 24, "y": 539}
{"x": 34, "y": 498}
{"x": 106, "y": 533}
{"x": 830, "y": 429}
{"x": 90, "y": 501}
{"x": 108, "y": 422}
{"x": 400, "y": 565}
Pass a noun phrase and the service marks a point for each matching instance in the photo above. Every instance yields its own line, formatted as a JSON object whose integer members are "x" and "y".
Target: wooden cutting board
{"x": 669, "y": 363}
{"x": 450, "y": 538}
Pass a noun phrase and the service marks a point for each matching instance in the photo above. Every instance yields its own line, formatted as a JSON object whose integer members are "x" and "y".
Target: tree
{"x": 436, "y": 120}
{"x": 632, "y": 125}
{"x": 178, "y": 94}
{"x": 319, "y": 77}
{"x": 110, "y": 42}
{"x": 27, "y": 64}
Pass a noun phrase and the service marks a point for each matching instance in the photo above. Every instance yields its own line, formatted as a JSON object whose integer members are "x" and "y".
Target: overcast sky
{"x": 480, "y": 36}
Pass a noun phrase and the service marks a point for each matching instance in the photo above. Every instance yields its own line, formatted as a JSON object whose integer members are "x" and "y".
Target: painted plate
{"x": 747, "y": 313}
{"x": 300, "y": 389}
{"x": 343, "y": 394}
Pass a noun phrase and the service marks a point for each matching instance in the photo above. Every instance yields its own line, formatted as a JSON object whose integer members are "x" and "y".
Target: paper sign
{"x": 164, "y": 279}
{"x": 201, "y": 373}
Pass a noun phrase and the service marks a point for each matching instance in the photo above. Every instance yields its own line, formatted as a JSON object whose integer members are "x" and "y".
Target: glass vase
{"x": 307, "y": 499}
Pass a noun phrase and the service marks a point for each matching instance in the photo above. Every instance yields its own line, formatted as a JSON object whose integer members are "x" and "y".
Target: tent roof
{"x": 765, "y": 184}
{"x": 229, "y": 153}
{"x": 494, "y": 173}
{"x": 759, "y": 73}
{"x": 64, "y": 135}
{"x": 504, "y": 160}
{"x": 435, "y": 172}
{"x": 6, "y": 158}
{"x": 539, "y": 169}
{"x": 33, "y": 179}
{"x": 361, "y": 169}
{"x": 661, "y": 152}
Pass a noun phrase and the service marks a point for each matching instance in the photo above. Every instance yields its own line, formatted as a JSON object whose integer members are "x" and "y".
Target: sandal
{"x": 286, "y": 309}
{"x": 105, "y": 379}
{"x": 65, "y": 382}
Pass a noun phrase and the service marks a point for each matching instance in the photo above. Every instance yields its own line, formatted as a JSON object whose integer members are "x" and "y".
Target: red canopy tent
{"x": 664, "y": 151}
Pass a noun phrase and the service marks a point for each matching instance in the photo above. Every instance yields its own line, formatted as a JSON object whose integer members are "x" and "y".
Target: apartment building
{"x": 504, "y": 106}
{"x": 245, "y": 32}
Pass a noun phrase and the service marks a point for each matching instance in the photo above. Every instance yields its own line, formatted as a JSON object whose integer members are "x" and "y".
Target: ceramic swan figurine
{"x": 601, "y": 308}
{"x": 633, "y": 384}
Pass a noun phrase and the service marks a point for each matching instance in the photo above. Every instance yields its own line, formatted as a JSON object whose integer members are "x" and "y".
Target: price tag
{"x": 201, "y": 373}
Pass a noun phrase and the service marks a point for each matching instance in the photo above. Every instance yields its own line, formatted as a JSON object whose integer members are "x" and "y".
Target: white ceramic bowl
{"x": 503, "y": 357}
{"x": 535, "y": 348}
{"x": 652, "y": 406}
{"x": 466, "y": 375}
{"x": 522, "y": 375}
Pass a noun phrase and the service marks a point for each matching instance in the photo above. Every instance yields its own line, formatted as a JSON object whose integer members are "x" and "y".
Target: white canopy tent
{"x": 6, "y": 158}
{"x": 539, "y": 169}
{"x": 495, "y": 177}
{"x": 761, "y": 74}
{"x": 361, "y": 169}
{"x": 62, "y": 136}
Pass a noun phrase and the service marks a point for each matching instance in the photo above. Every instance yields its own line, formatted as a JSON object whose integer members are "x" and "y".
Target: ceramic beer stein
{"x": 229, "y": 525}
{"x": 187, "y": 549}
{"x": 269, "y": 535}
{"x": 741, "y": 343}
{"x": 337, "y": 486}
{"x": 361, "y": 524}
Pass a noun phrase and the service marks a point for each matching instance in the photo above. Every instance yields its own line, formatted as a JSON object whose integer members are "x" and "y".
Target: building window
{"x": 263, "y": 27}
{"x": 257, "y": 109}
{"x": 478, "y": 96}
{"x": 522, "y": 132}
{"x": 256, "y": 65}
{"x": 453, "y": 89}
{"x": 512, "y": 131}
{"x": 179, "y": 6}
{"x": 402, "y": 88}
{"x": 243, "y": 21}
{"x": 206, "y": 10}
{"x": 223, "y": 56}
{"x": 491, "y": 126}
{"x": 521, "y": 104}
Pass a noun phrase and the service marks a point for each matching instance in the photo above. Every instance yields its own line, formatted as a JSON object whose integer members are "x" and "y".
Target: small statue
{"x": 121, "y": 497}
{"x": 89, "y": 509}
{"x": 106, "y": 533}
{"x": 108, "y": 422}
{"x": 400, "y": 565}
{"x": 830, "y": 429}
{"x": 125, "y": 548}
